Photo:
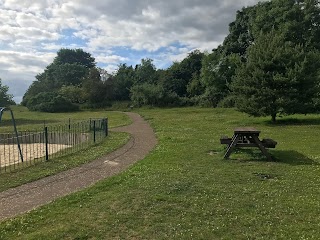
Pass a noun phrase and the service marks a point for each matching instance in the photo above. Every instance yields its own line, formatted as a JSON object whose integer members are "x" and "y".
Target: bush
{"x": 74, "y": 94}
{"x": 50, "y": 102}
{"x": 154, "y": 95}
{"x": 121, "y": 105}
{"x": 227, "y": 102}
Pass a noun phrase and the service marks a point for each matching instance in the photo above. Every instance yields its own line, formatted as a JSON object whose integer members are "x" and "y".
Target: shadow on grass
{"x": 290, "y": 157}
{"x": 22, "y": 121}
{"x": 293, "y": 121}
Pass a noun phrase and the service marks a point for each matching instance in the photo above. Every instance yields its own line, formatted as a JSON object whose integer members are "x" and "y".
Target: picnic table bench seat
{"x": 247, "y": 137}
{"x": 269, "y": 143}
{"x": 225, "y": 140}
{"x": 266, "y": 142}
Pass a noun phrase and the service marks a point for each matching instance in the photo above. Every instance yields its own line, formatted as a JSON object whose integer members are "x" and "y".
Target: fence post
{"x": 106, "y": 126}
{"x": 94, "y": 131}
{"x": 46, "y": 142}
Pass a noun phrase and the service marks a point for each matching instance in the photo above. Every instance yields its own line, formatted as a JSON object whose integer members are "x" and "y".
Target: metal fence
{"x": 33, "y": 146}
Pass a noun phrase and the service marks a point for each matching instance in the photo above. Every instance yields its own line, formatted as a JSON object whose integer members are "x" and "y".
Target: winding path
{"x": 32, "y": 195}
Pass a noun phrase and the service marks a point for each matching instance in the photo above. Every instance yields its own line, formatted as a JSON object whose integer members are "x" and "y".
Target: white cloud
{"x": 110, "y": 59}
{"x": 110, "y": 68}
{"x": 32, "y": 31}
{"x": 17, "y": 70}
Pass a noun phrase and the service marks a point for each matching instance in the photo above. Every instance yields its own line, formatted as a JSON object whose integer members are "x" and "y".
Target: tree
{"x": 179, "y": 76}
{"x": 92, "y": 86}
{"x": 146, "y": 72}
{"x": 74, "y": 56}
{"x": 152, "y": 94}
{"x": 5, "y": 97}
{"x": 298, "y": 20}
{"x": 279, "y": 77}
{"x": 35, "y": 88}
{"x": 97, "y": 92}
{"x": 123, "y": 81}
{"x": 195, "y": 86}
{"x": 56, "y": 76}
{"x": 173, "y": 79}
{"x": 216, "y": 75}
{"x": 50, "y": 102}
{"x": 240, "y": 35}
{"x": 74, "y": 94}
{"x": 68, "y": 68}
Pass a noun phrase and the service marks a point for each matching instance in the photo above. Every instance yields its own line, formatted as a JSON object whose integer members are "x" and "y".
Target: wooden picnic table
{"x": 247, "y": 137}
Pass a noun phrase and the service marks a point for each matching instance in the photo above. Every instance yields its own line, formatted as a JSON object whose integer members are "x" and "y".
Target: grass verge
{"x": 186, "y": 190}
{"x": 56, "y": 165}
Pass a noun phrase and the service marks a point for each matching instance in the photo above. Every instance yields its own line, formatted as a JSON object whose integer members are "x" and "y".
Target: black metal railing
{"x": 49, "y": 142}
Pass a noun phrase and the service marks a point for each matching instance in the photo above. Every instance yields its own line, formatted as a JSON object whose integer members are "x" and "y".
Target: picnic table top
{"x": 249, "y": 130}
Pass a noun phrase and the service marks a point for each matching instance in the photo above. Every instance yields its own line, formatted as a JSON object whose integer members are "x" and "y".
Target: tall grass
{"x": 186, "y": 190}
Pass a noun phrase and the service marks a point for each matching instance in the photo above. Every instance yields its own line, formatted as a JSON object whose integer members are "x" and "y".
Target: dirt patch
{"x": 9, "y": 154}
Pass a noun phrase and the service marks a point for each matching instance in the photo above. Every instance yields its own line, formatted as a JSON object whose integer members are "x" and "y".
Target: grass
{"x": 185, "y": 189}
{"x": 27, "y": 120}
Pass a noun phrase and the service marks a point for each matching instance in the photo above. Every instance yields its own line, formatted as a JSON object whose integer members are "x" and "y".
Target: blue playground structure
{"x": 2, "y": 109}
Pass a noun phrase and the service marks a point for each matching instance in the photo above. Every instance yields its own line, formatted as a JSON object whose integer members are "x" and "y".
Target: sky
{"x": 112, "y": 31}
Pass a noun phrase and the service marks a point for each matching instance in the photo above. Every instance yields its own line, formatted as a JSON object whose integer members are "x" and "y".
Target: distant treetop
{"x": 74, "y": 56}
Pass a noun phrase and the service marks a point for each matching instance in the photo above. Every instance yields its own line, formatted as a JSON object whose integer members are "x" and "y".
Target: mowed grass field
{"x": 185, "y": 189}
{"x": 27, "y": 120}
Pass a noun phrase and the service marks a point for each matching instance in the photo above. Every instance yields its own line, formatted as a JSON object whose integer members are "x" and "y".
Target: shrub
{"x": 50, "y": 102}
{"x": 154, "y": 95}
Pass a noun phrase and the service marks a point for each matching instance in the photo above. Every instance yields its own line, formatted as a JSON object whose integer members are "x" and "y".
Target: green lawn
{"x": 27, "y": 120}
{"x": 185, "y": 189}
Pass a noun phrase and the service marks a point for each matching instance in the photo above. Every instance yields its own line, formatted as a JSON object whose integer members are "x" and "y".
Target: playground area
{"x": 24, "y": 148}
{"x": 10, "y": 155}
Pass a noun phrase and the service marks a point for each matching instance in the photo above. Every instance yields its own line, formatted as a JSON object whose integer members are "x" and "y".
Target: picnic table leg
{"x": 232, "y": 145}
{"x": 261, "y": 147}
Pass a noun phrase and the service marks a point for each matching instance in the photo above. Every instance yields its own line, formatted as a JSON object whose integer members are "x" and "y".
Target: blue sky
{"x": 113, "y": 31}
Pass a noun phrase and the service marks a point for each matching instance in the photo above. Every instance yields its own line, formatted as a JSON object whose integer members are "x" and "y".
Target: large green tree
{"x": 240, "y": 35}
{"x": 5, "y": 97}
{"x": 97, "y": 92}
{"x": 279, "y": 77}
{"x": 69, "y": 68}
{"x": 216, "y": 75}
{"x": 297, "y": 20}
{"x": 145, "y": 72}
{"x": 74, "y": 56}
{"x": 182, "y": 77}
{"x": 123, "y": 81}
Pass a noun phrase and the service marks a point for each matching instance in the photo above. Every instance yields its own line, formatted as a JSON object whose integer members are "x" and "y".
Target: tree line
{"x": 267, "y": 65}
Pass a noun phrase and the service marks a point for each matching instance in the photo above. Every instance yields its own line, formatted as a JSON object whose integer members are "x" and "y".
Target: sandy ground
{"x": 9, "y": 154}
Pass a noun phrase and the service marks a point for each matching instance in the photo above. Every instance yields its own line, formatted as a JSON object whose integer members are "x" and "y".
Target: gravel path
{"x": 29, "y": 196}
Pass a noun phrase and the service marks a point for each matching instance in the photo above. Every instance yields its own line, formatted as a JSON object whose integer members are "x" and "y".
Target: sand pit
{"x": 9, "y": 154}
